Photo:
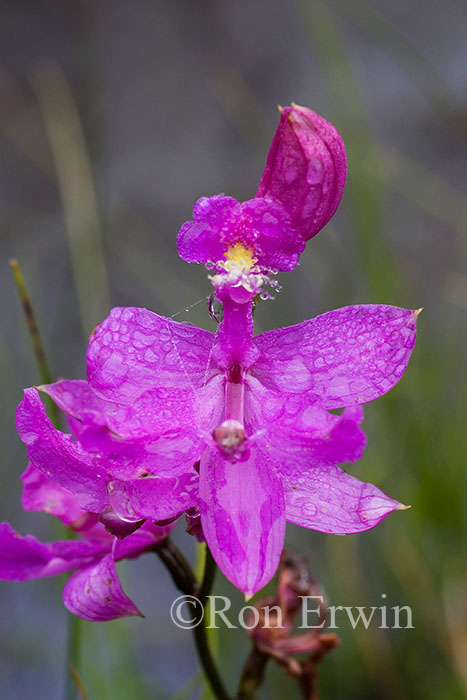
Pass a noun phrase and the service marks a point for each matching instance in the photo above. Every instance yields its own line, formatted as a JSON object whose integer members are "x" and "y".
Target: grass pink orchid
{"x": 236, "y": 427}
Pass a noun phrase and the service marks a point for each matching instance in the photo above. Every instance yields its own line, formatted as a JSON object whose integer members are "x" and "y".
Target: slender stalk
{"x": 179, "y": 569}
{"x": 210, "y": 570}
{"x": 207, "y": 662}
{"x": 36, "y": 341}
{"x": 185, "y": 581}
{"x": 73, "y": 683}
{"x": 252, "y": 674}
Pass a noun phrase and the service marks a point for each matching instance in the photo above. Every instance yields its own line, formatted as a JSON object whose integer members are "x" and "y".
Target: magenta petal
{"x": 344, "y": 441}
{"x": 55, "y": 454}
{"x": 306, "y": 169}
{"x": 329, "y": 500}
{"x": 141, "y": 541}
{"x": 295, "y": 427}
{"x": 206, "y": 238}
{"x": 152, "y": 497}
{"x": 96, "y": 594}
{"x": 242, "y": 515}
{"x": 155, "y": 412}
{"x": 348, "y": 356}
{"x": 135, "y": 350}
{"x": 24, "y": 558}
{"x": 41, "y": 493}
{"x": 260, "y": 224}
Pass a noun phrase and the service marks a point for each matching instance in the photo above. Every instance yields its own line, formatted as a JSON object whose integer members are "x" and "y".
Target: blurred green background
{"x": 114, "y": 117}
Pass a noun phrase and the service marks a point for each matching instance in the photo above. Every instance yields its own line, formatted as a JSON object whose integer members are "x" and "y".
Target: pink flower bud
{"x": 306, "y": 169}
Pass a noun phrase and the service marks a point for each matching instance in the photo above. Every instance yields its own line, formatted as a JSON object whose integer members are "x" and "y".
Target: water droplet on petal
{"x": 215, "y": 308}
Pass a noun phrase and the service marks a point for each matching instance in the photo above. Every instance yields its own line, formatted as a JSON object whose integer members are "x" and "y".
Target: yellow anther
{"x": 239, "y": 259}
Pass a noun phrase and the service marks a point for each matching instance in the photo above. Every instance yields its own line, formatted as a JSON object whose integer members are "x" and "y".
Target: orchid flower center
{"x": 239, "y": 271}
{"x": 238, "y": 259}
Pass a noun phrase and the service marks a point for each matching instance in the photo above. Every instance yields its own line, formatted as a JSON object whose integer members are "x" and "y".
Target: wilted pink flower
{"x": 174, "y": 418}
{"x": 272, "y": 628}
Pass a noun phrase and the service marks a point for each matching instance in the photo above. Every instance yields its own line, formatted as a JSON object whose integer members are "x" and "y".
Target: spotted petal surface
{"x": 156, "y": 411}
{"x": 295, "y": 426}
{"x": 96, "y": 594}
{"x": 135, "y": 350}
{"x": 328, "y": 499}
{"x": 155, "y": 498}
{"x": 345, "y": 357}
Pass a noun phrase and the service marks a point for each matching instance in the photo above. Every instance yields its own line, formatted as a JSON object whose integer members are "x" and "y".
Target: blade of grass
{"x": 73, "y": 682}
{"x": 211, "y": 633}
{"x": 34, "y": 334}
{"x": 75, "y": 181}
{"x": 364, "y": 183}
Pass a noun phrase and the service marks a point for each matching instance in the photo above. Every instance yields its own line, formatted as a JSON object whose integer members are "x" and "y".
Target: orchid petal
{"x": 155, "y": 412}
{"x": 24, "y": 558}
{"x": 242, "y": 516}
{"x": 293, "y": 426}
{"x": 345, "y": 357}
{"x": 41, "y": 493}
{"x": 135, "y": 350}
{"x": 57, "y": 456}
{"x": 261, "y": 225}
{"x": 152, "y": 497}
{"x": 329, "y": 500}
{"x": 169, "y": 454}
{"x": 96, "y": 594}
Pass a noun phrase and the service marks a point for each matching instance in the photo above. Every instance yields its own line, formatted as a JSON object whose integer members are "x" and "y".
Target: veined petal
{"x": 41, "y": 493}
{"x": 348, "y": 356}
{"x": 153, "y": 498}
{"x": 329, "y": 500}
{"x": 155, "y": 412}
{"x": 135, "y": 350}
{"x": 24, "y": 558}
{"x": 306, "y": 169}
{"x": 55, "y": 454}
{"x": 294, "y": 427}
{"x": 242, "y": 515}
{"x": 96, "y": 594}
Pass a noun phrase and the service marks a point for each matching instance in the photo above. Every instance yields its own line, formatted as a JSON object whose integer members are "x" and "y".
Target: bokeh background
{"x": 114, "y": 117}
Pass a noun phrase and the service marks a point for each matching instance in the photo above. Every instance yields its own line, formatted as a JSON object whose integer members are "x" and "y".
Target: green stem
{"x": 36, "y": 340}
{"x": 210, "y": 570}
{"x": 73, "y": 682}
{"x": 185, "y": 581}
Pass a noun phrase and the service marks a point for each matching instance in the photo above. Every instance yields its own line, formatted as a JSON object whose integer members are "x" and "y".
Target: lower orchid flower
{"x": 94, "y": 591}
